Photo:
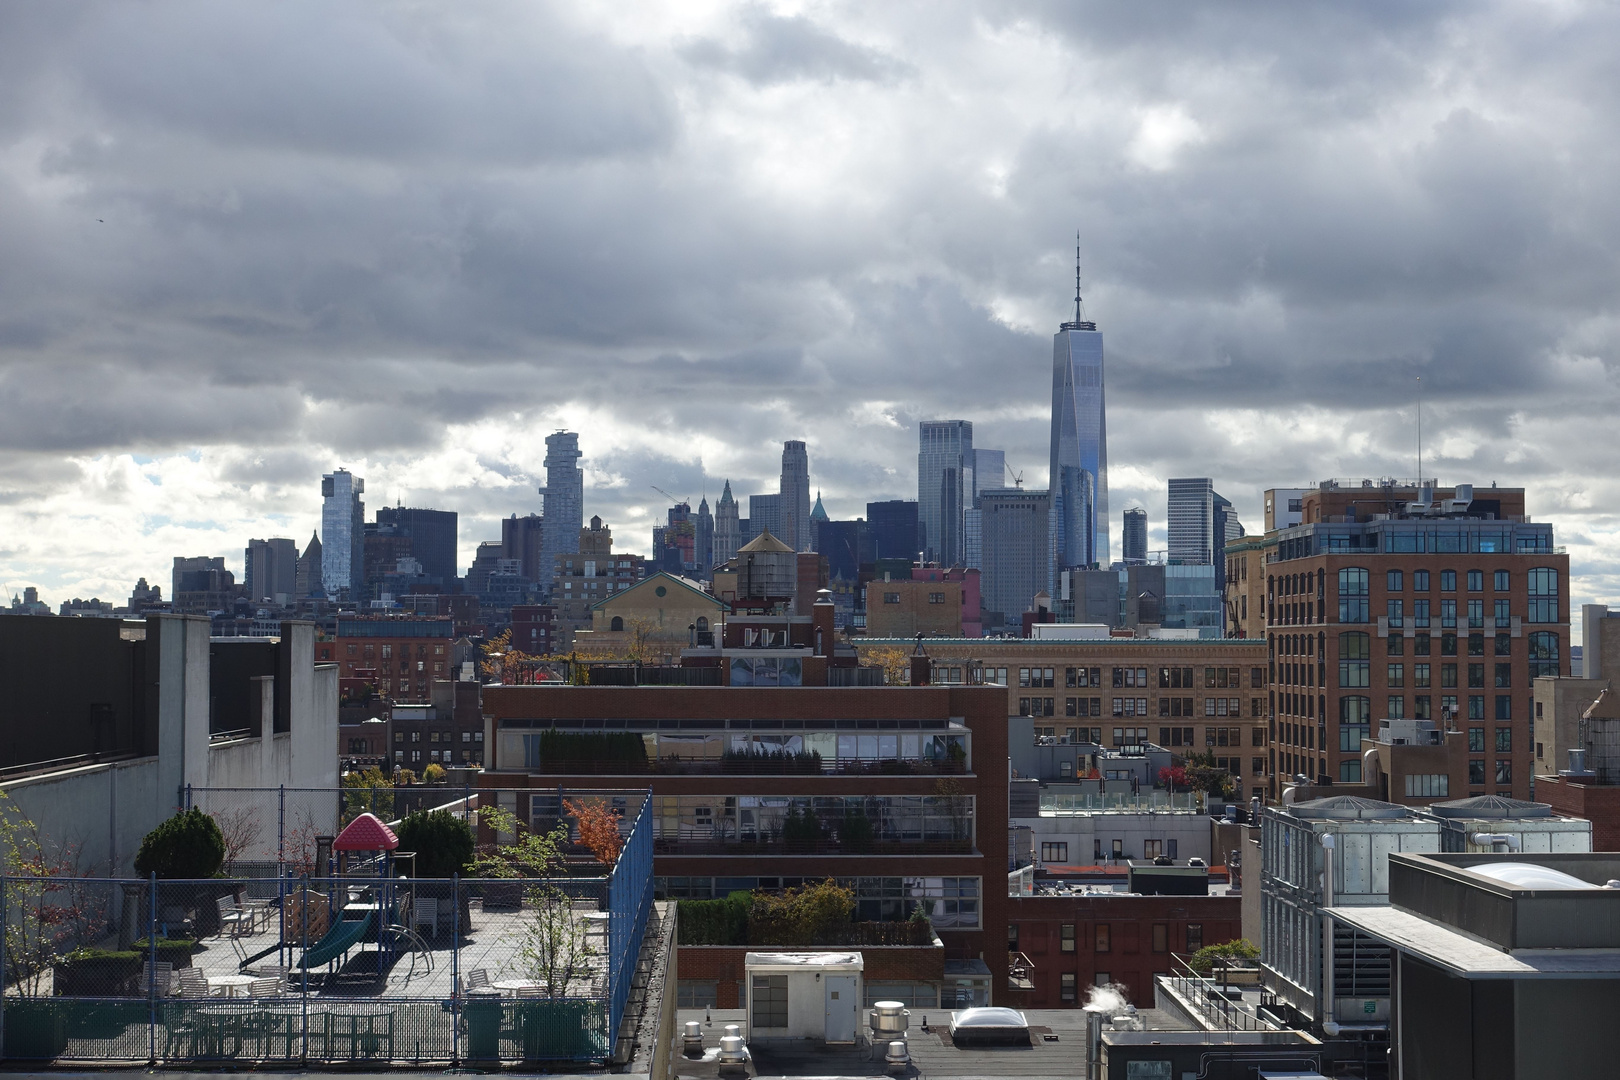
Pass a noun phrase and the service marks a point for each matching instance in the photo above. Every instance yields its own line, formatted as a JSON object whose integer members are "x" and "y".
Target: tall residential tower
{"x": 343, "y": 523}
{"x": 564, "y": 505}
{"x": 945, "y": 488}
{"x": 1079, "y": 458}
{"x": 795, "y": 494}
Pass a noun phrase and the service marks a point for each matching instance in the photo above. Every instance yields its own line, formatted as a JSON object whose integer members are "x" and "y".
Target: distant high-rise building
{"x": 523, "y": 539}
{"x": 989, "y": 471}
{"x": 765, "y": 515}
{"x": 1016, "y": 552}
{"x": 794, "y": 490}
{"x": 308, "y": 582}
{"x": 727, "y": 528}
{"x": 343, "y": 523}
{"x": 1134, "y": 540}
{"x": 270, "y": 569}
{"x": 945, "y": 465}
{"x": 893, "y": 526}
{"x": 1201, "y": 522}
{"x": 432, "y": 536}
{"x": 845, "y": 545}
{"x": 1079, "y": 452}
{"x": 674, "y": 543}
{"x": 564, "y": 506}
{"x": 704, "y": 524}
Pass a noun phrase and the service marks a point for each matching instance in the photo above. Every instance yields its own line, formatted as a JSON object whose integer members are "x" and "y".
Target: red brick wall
{"x": 1128, "y": 922}
{"x": 1599, "y": 804}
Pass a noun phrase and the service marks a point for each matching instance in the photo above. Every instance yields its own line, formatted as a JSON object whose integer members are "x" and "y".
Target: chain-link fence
{"x": 361, "y": 965}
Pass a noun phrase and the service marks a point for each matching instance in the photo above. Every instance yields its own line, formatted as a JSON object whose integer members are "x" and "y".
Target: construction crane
{"x": 668, "y": 496}
{"x": 1017, "y": 477}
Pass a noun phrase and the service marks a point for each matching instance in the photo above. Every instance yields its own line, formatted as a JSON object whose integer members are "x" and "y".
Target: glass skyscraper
{"x": 1079, "y": 459}
{"x": 945, "y": 463}
{"x": 564, "y": 506}
{"x": 343, "y": 524}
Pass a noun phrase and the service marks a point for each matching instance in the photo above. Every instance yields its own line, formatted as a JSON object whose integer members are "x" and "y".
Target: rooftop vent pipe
{"x": 1497, "y": 841}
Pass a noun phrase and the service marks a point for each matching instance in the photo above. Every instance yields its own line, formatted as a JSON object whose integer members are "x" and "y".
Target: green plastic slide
{"x": 338, "y": 940}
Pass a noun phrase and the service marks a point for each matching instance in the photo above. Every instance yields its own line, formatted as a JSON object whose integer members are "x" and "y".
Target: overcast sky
{"x": 242, "y": 244}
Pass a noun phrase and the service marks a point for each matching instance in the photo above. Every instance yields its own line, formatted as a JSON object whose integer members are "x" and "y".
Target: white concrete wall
{"x": 105, "y": 810}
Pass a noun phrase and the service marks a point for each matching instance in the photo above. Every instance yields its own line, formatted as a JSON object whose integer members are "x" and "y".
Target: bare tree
{"x": 242, "y": 827}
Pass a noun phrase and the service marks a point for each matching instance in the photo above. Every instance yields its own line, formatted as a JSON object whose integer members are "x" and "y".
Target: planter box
{"x": 36, "y": 1029}
{"x": 107, "y": 975}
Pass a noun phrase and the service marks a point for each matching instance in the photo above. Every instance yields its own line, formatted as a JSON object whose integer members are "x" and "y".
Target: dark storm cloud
{"x": 284, "y": 236}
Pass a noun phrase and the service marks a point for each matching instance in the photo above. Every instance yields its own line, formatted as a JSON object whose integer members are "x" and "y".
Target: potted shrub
{"x": 187, "y": 847}
{"x": 96, "y": 973}
{"x": 444, "y": 845}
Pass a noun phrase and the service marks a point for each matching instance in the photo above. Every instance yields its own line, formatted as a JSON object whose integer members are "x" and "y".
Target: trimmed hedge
{"x": 715, "y": 922}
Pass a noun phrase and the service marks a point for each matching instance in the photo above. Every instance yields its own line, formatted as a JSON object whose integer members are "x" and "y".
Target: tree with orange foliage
{"x": 598, "y": 827}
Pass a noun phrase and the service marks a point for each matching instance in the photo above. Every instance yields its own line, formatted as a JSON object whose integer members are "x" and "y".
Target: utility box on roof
{"x": 804, "y": 995}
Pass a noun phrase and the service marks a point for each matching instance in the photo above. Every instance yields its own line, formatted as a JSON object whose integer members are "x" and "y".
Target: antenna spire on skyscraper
{"x": 1079, "y": 313}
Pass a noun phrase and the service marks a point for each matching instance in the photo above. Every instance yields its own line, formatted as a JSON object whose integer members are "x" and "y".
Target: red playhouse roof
{"x": 366, "y": 833}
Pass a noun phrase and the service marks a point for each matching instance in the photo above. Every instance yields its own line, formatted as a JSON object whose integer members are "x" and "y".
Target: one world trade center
{"x": 1079, "y": 462}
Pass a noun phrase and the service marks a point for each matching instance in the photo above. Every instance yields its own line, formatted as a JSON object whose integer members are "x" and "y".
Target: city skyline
{"x": 209, "y": 307}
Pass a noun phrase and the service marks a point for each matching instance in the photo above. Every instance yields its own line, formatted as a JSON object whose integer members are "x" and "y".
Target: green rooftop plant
{"x": 188, "y": 845}
{"x": 443, "y": 843}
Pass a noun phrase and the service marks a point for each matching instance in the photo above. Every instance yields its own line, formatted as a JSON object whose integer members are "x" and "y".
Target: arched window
{"x": 616, "y": 624}
{"x": 1543, "y": 652}
{"x": 703, "y": 623}
{"x": 1353, "y": 594}
{"x": 1543, "y": 595}
{"x": 1355, "y": 659}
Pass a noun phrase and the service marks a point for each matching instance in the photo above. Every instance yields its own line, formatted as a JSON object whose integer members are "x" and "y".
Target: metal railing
{"x": 1219, "y": 1006}
{"x": 363, "y": 967}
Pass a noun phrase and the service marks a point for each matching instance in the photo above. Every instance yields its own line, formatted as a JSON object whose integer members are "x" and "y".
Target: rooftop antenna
{"x": 1079, "y": 322}
{"x": 1420, "y": 429}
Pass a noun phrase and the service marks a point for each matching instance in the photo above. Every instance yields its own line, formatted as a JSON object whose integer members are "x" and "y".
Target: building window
{"x": 1352, "y": 594}
{"x": 1396, "y": 706}
{"x": 1070, "y": 991}
{"x": 696, "y": 993}
{"x": 1354, "y": 658}
{"x": 1448, "y": 614}
{"x": 1349, "y": 772}
{"x": 1054, "y": 852}
{"x": 770, "y": 1001}
{"x": 1420, "y": 614}
{"x": 1066, "y": 937}
{"x": 1504, "y": 706}
{"x": 1195, "y": 937}
{"x": 1501, "y": 581}
{"x": 1504, "y": 740}
{"x": 1161, "y": 937}
{"x": 1420, "y": 676}
{"x": 891, "y": 598}
{"x": 1476, "y": 706}
{"x": 1503, "y": 616}
{"x": 1102, "y": 937}
{"x": 1476, "y": 614}
{"x": 1543, "y": 595}
{"x": 1396, "y": 613}
{"x": 1476, "y": 774}
{"x": 936, "y": 598}
{"x": 1395, "y": 675}
{"x": 1428, "y": 786}
{"x": 1394, "y": 581}
{"x": 1504, "y": 675}
{"x": 1504, "y": 771}
{"x": 1543, "y": 654}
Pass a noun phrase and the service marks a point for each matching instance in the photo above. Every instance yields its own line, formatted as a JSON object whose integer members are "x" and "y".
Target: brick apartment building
{"x": 1187, "y": 695}
{"x": 400, "y": 655}
{"x": 1393, "y": 601}
{"x": 741, "y": 770}
{"x": 1068, "y": 943}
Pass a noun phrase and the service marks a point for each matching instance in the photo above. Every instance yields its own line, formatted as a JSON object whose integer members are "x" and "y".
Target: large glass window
{"x": 1394, "y": 581}
{"x": 1503, "y": 618}
{"x": 1476, "y": 580}
{"x": 1396, "y": 613}
{"x": 1448, "y": 614}
{"x": 1543, "y": 653}
{"x": 1420, "y": 614}
{"x": 1355, "y": 654}
{"x": 770, "y": 1001}
{"x": 1448, "y": 581}
{"x": 1353, "y": 594}
{"x": 1543, "y": 595}
{"x": 1501, "y": 581}
{"x": 1355, "y": 722}
{"x": 1420, "y": 581}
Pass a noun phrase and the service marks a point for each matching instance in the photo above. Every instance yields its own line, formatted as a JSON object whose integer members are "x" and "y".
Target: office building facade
{"x": 270, "y": 569}
{"x": 894, "y": 527}
{"x": 794, "y": 496}
{"x": 343, "y": 525}
{"x": 432, "y": 536}
{"x": 1133, "y": 538}
{"x": 727, "y": 529}
{"x": 1393, "y": 601}
{"x": 1017, "y": 560}
{"x": 564, "y": 503}
{"x": 1078, "y": 478}
{"x": 945, "y": 487}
